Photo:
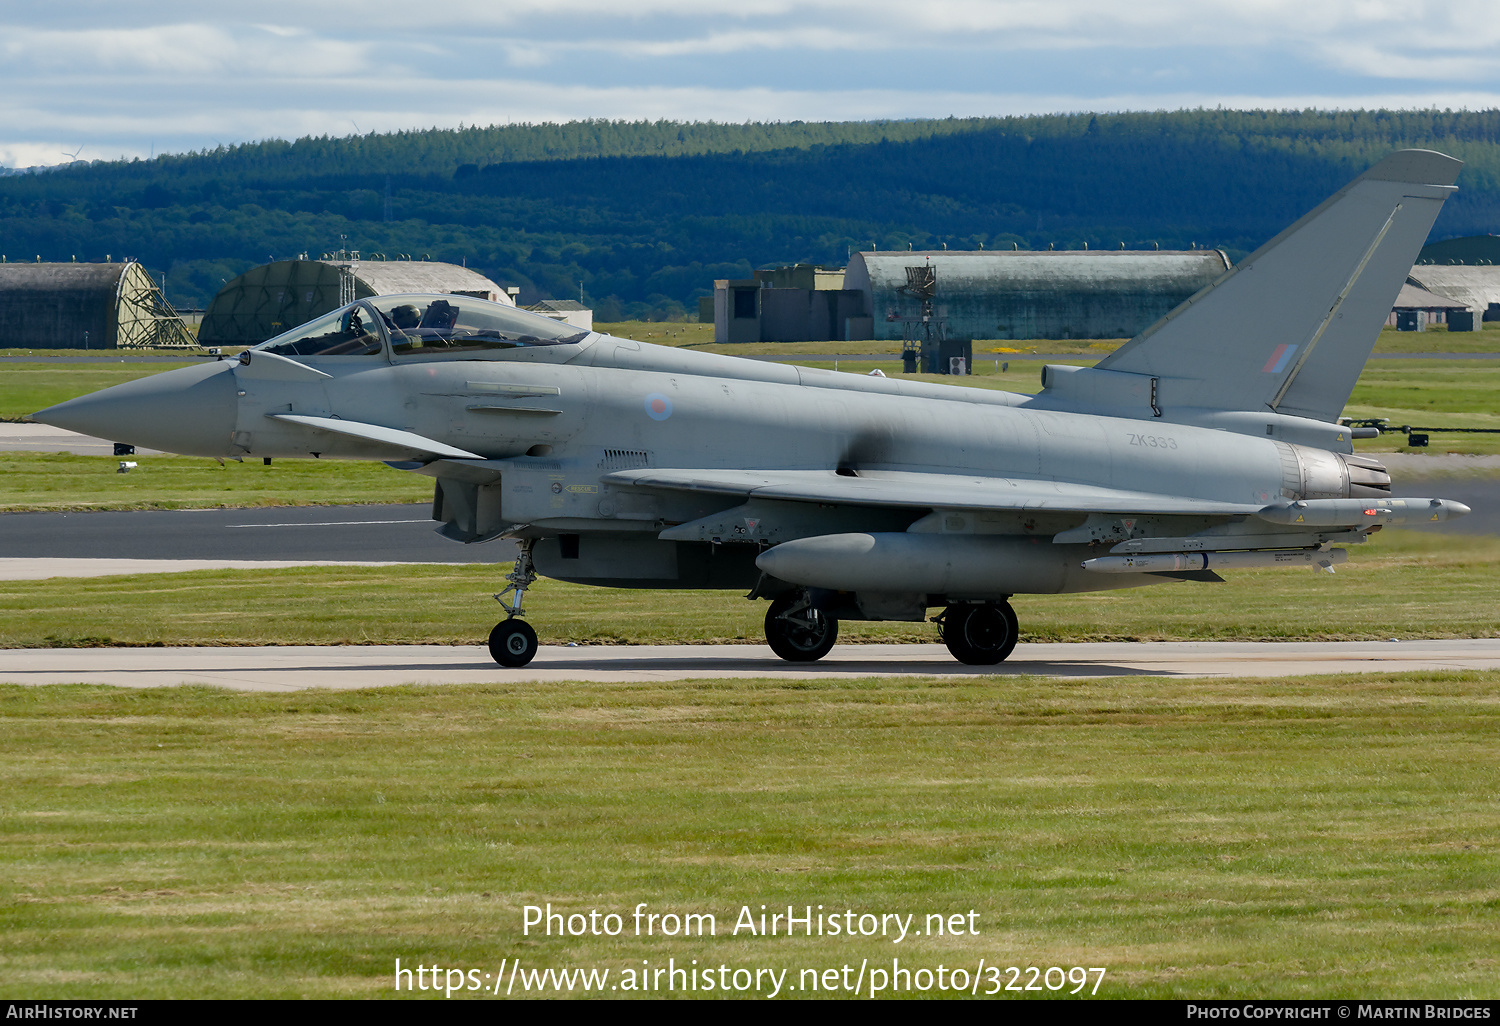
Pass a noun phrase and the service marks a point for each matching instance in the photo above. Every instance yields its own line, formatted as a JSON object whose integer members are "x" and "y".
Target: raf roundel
{"x": 658, "y": 406}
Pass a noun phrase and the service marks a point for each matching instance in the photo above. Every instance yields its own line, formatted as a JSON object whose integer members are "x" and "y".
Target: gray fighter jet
{"x": 1208, "y": 442}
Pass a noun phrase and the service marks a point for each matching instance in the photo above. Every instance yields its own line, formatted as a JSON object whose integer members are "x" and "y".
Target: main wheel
{"x": 980, "y": 635}
{"x": 513, "y": 642}
{"x": 797, "y": 632}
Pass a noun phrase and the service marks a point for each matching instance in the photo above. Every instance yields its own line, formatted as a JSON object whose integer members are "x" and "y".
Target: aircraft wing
{"x": 924, "y": 491}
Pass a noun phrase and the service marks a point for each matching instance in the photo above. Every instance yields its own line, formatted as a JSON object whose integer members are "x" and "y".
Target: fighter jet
{"x": 1210, "y": 442}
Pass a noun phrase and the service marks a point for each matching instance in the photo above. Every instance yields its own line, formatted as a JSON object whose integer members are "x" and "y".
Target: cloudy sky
{"x": 108, "y": 79}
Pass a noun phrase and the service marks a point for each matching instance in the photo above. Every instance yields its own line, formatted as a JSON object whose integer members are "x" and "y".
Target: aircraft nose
{"x": 189, "y": 411}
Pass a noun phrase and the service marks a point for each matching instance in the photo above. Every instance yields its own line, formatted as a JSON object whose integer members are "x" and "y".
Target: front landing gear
{"x": 980, "y": 635}
{"x": 798, "y": 632}
{"x": 513, "y": 642}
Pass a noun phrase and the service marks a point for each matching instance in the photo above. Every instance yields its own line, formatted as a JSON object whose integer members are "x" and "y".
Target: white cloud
{"x": 181, "y": 51}
{"x": 176, "y": 74}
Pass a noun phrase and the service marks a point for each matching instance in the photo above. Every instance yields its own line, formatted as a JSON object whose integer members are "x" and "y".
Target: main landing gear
{"x": 513, "y": 642}
{"x": 977, "y": 633}
{"x": 797, "y": 631}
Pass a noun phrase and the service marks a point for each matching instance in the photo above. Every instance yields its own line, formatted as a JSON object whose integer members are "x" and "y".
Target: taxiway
{"x": 295, "y": 668}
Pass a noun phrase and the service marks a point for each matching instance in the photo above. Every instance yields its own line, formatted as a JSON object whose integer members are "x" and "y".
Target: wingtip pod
{"x": 1416, "y": 167}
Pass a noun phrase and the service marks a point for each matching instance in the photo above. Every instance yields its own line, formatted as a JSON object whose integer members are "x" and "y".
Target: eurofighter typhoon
{"x": 1208, "y": 442}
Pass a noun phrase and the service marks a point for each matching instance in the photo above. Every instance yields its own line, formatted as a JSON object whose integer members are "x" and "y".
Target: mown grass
{"x": 1294, "y": 838}
{"x": 26, "y": 388}
{"x": 62, "y": 481}
{"x": 1402, "y": 585}
{"x": 1432, "y": 393}
{"x": 1438, "y": 339}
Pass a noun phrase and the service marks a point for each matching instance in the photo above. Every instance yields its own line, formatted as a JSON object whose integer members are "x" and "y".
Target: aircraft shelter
{"x": 984, "y": 294}
{"x": 85, "y": 306}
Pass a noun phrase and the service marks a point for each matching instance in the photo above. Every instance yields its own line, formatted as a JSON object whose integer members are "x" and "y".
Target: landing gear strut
{"x": 797, "y": 631}
{"x": 513, "y": 642}
{"x": 980, "y": 635}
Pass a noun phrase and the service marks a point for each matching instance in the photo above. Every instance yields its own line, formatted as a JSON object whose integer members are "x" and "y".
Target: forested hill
{"x": 647, "y": 214}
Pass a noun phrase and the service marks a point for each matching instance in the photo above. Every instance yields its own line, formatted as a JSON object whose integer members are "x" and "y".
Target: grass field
{"x": 1402, "y": 584}
{"x": 28, "y": 387}
{"x": 56, "y": 481}
{"x": 1431, "y": 393}
{"x": 1317, "y": 837}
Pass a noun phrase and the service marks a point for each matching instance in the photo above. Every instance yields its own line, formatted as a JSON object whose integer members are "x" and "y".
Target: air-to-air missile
{"x": 1209, "y": 441}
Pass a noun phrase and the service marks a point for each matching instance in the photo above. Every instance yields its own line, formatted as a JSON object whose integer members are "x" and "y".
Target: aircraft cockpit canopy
{"x": 421, "y": 325}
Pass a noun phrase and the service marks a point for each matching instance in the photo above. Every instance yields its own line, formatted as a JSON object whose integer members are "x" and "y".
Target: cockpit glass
{"x": 450, "y": 324}
{"x": 350, "y": 331}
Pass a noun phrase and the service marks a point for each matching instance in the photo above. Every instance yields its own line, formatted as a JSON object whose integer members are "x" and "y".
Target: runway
{"x": 26, "y": 437}
{"x": 36, "y": 545}
{"x": 295, "y": 668}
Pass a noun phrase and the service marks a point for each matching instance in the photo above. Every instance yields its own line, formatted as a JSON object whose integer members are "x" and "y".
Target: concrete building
{"x": 799, "y": 303}
{"x": 85, "y": 306}
{"x": 1416, "y": 308}
{"x": 1004, "y": 294}
{"x": 569, "y": 311}
{"x": 1467, "y": 271}
{"x": 267, "y": 300}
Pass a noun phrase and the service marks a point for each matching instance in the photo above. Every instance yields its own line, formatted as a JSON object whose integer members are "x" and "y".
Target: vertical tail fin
{"x": 1290, "y": 327}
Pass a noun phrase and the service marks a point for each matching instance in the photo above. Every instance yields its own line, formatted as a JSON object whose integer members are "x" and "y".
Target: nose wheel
{"x": 980, "y": 635}
{"x": 798, "y": 632}
{"x": 513, "y": 642}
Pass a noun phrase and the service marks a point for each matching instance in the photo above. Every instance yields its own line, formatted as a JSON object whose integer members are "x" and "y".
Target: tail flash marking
{"x": 1279, "y": 357}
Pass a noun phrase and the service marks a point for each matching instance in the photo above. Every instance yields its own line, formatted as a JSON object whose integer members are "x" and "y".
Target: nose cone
{"x": 189, "y": 411}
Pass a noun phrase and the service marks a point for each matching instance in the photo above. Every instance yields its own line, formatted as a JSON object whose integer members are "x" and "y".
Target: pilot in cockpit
{"x": 405, "y": 317}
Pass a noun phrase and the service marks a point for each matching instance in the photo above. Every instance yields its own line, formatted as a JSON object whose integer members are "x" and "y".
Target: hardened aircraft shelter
{"x": 984, "y": 294}
{"x": 1035, "y": 294}
{"x": 85, "y": 306}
